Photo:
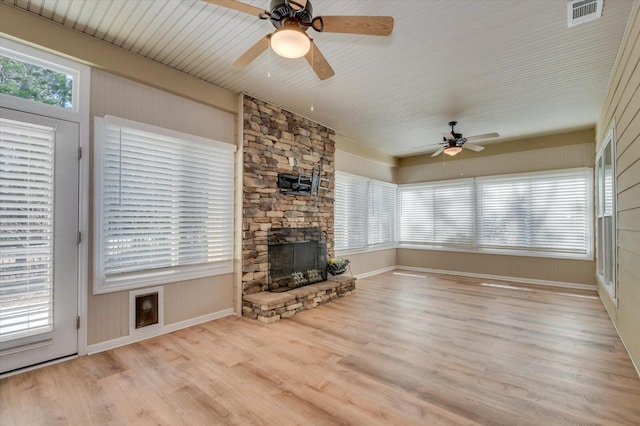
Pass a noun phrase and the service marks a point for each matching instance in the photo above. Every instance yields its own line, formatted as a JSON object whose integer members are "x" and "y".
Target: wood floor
{"x": 403, "y": 350}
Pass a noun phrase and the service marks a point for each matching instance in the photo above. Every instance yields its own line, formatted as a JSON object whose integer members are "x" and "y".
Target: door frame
{"x": 80, "y": 115}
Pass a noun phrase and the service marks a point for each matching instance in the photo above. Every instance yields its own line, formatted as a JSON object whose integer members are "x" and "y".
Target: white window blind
{"x": 547, "y": 211}
{"x": 350, "y": 211}
{"x": 544, "y": 213}
{"x": 26, "y": 229}
{"x": 440, "y": 213}
{"x": 382, "y": 212}
{"x": 165, "y": 201}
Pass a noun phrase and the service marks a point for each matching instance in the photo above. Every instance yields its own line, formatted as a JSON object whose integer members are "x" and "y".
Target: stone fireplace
{"x": 279, "y": 146}
{"x": 271, "y": 137}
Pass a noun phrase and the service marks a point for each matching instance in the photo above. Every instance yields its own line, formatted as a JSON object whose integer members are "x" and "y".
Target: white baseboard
{"x": 126, "y": 340}
{"x": 376, "y": 272}
{"x": 559, "y": 284}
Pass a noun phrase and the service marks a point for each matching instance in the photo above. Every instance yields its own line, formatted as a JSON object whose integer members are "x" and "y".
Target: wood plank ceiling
{"x": 507, "y": 66}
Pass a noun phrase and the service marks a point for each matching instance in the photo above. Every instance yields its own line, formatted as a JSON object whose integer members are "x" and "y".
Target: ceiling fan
{"x": 292, "y": 19}
{"x": 454, "y": 142}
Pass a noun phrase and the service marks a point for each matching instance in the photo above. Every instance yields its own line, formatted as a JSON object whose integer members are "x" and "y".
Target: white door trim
{"x": 80, "y": 116}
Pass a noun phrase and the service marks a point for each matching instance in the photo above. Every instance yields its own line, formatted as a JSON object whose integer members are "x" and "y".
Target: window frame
{"x": 476, "y": 247}
{"x": 156, "y": 276}
{"x": 435, "y": 186}
{"x": 366, "y": 208}
{"x": 80, "y": 85}
{"x": 362, "y": 213}
{"x": 609, "y": 143}
{"x": 79, "y": 115}
{"x": 376, "y": 208}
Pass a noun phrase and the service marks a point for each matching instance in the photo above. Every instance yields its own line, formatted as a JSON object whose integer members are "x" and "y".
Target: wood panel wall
{"x": 622, "y": 106}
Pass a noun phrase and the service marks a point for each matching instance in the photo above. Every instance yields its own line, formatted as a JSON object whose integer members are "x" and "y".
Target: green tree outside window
{"x": 40, "y": 84}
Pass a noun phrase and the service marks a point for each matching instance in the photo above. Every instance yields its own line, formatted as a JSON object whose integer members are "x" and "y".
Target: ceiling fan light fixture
{"x": 290, "y": 41}
{"x": 452, "y": 150}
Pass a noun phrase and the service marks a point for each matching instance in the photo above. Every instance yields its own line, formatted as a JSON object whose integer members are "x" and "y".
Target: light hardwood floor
{"x": 402, "y": 350}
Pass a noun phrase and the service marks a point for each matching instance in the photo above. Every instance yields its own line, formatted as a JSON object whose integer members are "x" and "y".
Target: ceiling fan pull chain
{"x": 269, "y": 60}
{"x": 312, "y": 65}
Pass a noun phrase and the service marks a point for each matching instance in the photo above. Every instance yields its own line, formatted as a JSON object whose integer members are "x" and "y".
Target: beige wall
{"x": 108, "y": 314}
{"x": 527, "y": 268}
{"x": 362, "y": 166}
{"x": 568, "y": 150}
{"x": 623, "y": 105}
{"x": 347, "y": 145}
{"x": 559, "y": 151}
{"x": 365, "y": 263}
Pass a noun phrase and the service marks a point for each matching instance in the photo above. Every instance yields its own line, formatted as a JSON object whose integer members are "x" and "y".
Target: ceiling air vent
{"x": 581, "y": 11}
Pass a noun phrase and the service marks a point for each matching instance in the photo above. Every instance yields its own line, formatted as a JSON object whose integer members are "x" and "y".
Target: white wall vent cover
{"x": 581, "y": 11}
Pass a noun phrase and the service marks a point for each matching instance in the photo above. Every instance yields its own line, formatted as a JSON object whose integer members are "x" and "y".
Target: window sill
{"x": 502, "y": 252}
{"x": 142, "y": 279}
{"x": 380, "y": 247}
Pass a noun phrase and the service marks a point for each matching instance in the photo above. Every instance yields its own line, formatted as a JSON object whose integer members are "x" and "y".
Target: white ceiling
{"x": 507, "y": 66}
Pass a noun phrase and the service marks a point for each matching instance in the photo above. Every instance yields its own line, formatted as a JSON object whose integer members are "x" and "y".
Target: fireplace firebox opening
{"x": 297, "y": 257}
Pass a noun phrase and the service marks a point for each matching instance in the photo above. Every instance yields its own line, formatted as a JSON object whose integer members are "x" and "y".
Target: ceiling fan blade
{"x": 253, "y": 52}
{"x": 472, "y": 147}
{"x": 449, "y": 136}
{"x": 426, "y": 146}
{"x": 485, "y": 136}
{"x": 319, "y": 64}
{"x": 369, "y": 25}
{"x": 236, "y": 5}
{"x": 438, "y": 152}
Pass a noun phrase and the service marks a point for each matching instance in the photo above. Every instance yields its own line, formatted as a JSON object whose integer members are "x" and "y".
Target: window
{"x": 350, "y": 212}
{"x": 35, "y": 79}
{"x": 165, "y": 206}
{"x": 382, "y": 212}
{"x": 605, "y": 214}
{"x": 530, "y": 214}
{"x": 546, "y": 212}
{"x": 364, "y": 211}
{"x": 438, "y": 213}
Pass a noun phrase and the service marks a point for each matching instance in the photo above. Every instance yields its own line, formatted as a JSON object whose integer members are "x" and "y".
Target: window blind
{"x": 382, "y": 212}
{"x": 437, "y": 213}
{"x": 26, "y": 229}
{"x": 166, "y": 205}
{"x": 541, "y": 211}
{"x": 350, "y": 211}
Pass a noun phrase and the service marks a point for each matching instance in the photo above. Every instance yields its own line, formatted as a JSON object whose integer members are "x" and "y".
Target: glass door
{"x": 38, "y": 239}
